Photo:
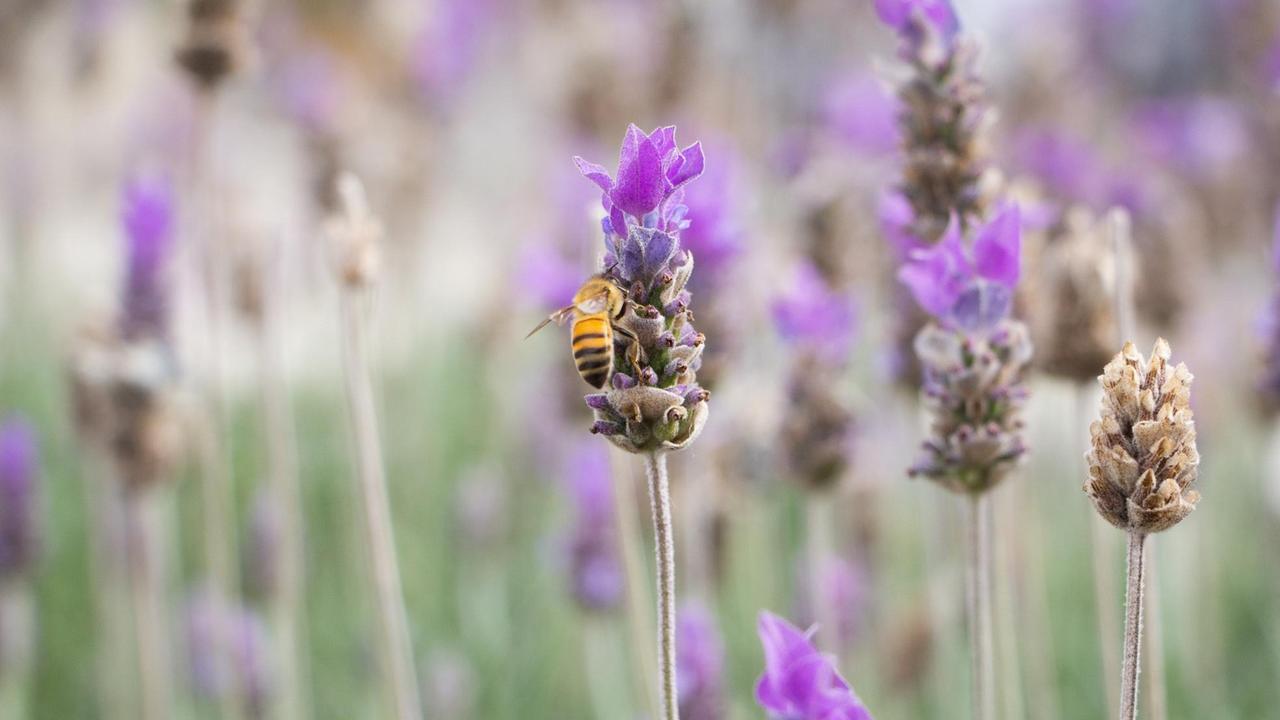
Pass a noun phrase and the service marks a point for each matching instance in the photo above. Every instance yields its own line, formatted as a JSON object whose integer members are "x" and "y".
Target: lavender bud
{"x": 148, "y": 219}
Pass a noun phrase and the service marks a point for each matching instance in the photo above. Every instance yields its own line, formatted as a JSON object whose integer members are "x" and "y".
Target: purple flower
{"x": 1067, "y": 166}
{"x": 448, "y": 47}
{"x": 594, "y": 568}
{"x": 862, "y": 112}
{"x": 714, "y": 235}
{"x": 545, "y": 276}
{"x": 844, "y": 588}
{"x": 215, "y": 628}
{"x": 971, "y": 290}
{"x": 148, "y": 225}
{"x": 896, "y": 218}
{"x": 651, "y": 169}
{"x": 799, "y": 683}
{"x": 18, "y": 460}
{"x": 699, "y": 664}
{"x": 812, "y": 314}
{"x": 1202, "y": 135}
{"x": 898, "y": 14}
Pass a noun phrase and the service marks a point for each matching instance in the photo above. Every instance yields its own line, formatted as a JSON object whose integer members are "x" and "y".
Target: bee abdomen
{"x": 593, "y": 350}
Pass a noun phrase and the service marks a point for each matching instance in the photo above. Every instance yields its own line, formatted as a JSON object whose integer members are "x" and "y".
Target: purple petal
{"x": 690, "y": 168}
{"x": 595, "y": 173}
{"x": 997, "y": 249}
{"x": 938, "y": 275}
{"x": 664, "y": 139}
{"x": 641, "y": 185}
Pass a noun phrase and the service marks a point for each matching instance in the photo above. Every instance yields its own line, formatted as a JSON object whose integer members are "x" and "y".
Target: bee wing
{"x": 558, "y": 317}
{"x": 594, "y": 304}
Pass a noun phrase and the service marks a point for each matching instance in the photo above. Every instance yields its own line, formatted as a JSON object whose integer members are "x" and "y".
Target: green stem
{"x": 660, "y": 501}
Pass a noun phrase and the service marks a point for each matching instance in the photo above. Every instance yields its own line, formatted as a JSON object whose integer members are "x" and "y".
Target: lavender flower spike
{"x": 899, "y": 14}
{"x": 664, "y": 409}
{"x": 594, "y": 566}
{"x": 800, "y": 683}
{"x": 18, "y": 468}
{"x": 148, "y": 219}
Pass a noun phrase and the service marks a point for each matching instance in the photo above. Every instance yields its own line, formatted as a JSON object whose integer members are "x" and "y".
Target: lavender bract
{"x": 18, "y": 469}
{"x": 654, "y": 401}
{"x": 800, "y": 683}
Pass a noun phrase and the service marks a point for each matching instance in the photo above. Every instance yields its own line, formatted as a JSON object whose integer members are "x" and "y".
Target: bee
{"x": 596, "y": 308}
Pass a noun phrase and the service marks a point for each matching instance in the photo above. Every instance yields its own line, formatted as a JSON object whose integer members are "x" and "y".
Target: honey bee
{"x": 596, "y": 307}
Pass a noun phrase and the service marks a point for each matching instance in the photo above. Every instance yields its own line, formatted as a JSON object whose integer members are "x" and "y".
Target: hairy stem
{"x": 981, "y": 644}
{"x": 660, "y": 500}
{"x": 150, "y": 612}
{"x": 1132, "y": 627}
{"x": 396, "y": 645}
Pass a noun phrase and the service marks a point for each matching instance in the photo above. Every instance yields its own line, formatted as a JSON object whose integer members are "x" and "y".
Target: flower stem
{"x": 981, "y": 645}
{"x": 660, "y": 500}
{"x": 150, "y": 613}
{"x": 1132, "y": 627}
{"x": 397, "y": 647}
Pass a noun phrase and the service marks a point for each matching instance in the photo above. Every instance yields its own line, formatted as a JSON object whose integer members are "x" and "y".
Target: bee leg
{"x": 633, "y": 347}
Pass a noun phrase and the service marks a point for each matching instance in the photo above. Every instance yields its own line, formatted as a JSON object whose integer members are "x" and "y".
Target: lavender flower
{"x": 18, "y": 468}
{"x": 714, "y": 235}
{"x": 594, "y": 566}
{"x": 910, "y": 17}
{"x": 973, "y": 354}
{"x": 972, "y": 290}
{"x": 844, "y": 590}
{"x": 816, "y": 430}
{"x": 148, "y": 218}
{"x": 860, "y": 111}
{"x": 654, "y": 402}
{"x": 213, "y": 627}
{"x": 799, "y": 683}
{"x": 448, "y": 47}
{"x": 816, "y": 317}
{"x": 700, "y": 662}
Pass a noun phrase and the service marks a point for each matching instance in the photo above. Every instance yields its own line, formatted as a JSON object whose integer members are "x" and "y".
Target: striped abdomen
{"x": 593, "y": 348}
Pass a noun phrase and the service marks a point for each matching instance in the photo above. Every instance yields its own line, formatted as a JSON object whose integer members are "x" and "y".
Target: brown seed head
{"x": 1143, "y": 457}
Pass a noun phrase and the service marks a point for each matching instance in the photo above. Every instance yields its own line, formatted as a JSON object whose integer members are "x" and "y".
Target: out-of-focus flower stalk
{"x": 211, "y": 51}
{"x": 356, "y": 234}
{"x": 288, "y": 610}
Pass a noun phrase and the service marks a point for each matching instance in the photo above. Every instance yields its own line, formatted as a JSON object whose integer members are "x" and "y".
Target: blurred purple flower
{"x": 212, "y": 628}
{"x": 546, "y": 277}
{"x": 897, "y": 14}
{"x": 862, "y": 112}
{"x": 799, "y": 683}
{"x": 714, "y": 235}
{"x": 844, "y": 588}
{"x": 812, "y": 314}
{"x": 1201, "y": 135}
{"x": 306, "y": 84}
{"x": 699, "y": 664}
{"x": 971, "y": 290}
{"x": 449, "y": 46}
{"x": 18, "y": 467}
{"x": 651, "y": 170}
{"x": 896, "y": 218}
{"x": 148, "y": 218}
{"x": 1068, "y": 167}
{"x": 594, "y": 568}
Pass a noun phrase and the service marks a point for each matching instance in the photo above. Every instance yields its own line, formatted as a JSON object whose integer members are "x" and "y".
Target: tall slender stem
{"x": 660, "y": 500}
{"x": 981, "y": 645}
{"x": 1132, "y": 627}
{"x": 288, "y": 611}
{"x": 397, "y": 647}
{"x": 150, "y": 612}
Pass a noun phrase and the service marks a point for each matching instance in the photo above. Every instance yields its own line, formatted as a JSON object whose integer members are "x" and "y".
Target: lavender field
{"x": 901, "y": 359}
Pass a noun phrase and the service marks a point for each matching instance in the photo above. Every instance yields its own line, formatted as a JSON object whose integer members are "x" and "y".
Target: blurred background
{"x": 207, "y": 140}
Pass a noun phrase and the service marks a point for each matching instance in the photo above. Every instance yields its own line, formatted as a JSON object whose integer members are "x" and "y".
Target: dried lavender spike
{"x": 1143, "y": 458}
